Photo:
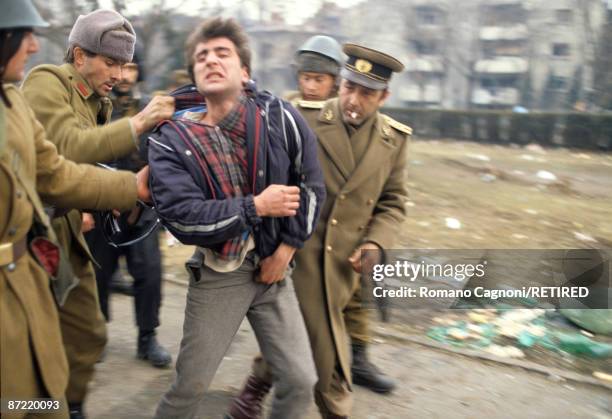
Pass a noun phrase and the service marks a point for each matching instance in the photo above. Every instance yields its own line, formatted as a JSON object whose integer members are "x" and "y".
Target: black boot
{"x": 247, "y": 405}
{"x": 76, "y": 411}
{"x": 366, "y": 374}
{"x": 149, "y": 349}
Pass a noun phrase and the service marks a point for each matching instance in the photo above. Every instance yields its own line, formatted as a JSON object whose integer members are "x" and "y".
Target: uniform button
{"x": 370, "y": 201}
{"x": 329, "y": 248}
{"x": 11, "y": 267}
{"x": 12, "y": 231}
{"x": 342, "y": 197}
{"x": 19, "y": 194}
{"x": 260, "y": 173}
{"x": 334, "y": 222}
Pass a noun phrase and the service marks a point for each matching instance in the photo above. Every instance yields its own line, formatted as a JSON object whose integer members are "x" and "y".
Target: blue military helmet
{"x": 319, "y": 54}
{"x": 323, "y": 45}
{"x": 122, "y": 231}
{"x": 20, "y": 14}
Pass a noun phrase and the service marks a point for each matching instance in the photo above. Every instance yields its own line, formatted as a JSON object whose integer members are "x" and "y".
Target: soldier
{"x": 363, "y": 155}
{"x": 143, "y": 257}
{"x": 33, "y": 362}
{"x": 318, "y": 63}
{"x": 71, "y": 101}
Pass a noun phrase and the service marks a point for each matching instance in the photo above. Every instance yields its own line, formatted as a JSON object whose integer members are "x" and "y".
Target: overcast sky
{"x": 295, "y": 11}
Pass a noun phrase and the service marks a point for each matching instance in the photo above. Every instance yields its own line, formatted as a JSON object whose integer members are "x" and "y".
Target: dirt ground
{"x": 499, "y": 197}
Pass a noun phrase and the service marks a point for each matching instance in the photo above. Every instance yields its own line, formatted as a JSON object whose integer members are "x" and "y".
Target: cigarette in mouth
{"x": 354, "y": 115}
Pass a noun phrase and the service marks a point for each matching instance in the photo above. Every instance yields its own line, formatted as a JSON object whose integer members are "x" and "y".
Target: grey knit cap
{"x": 104, "y": 32}
{"x": 316, "y": 63}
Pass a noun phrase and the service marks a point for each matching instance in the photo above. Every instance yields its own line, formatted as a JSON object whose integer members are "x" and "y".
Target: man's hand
{"x": 371, "y": 258}
{"x": 158, "y": 109}
{"x": 278, "y": 201}
{"x": 142, "y": 185}
{"x": 88, "y": 222}
{"x": 272, "y": 268}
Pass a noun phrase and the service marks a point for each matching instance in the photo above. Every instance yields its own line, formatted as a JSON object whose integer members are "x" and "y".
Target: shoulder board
{"x": 397, "y": 125}
{"x": 311, "y": 104}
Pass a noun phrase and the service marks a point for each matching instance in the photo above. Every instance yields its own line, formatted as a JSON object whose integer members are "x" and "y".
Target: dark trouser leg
{"x": 108, "y": 258}
{"x": 145, "y": 266}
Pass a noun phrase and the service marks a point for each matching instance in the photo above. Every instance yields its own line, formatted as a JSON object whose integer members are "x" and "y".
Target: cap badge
{"x": 328, "y": 115}
{"x": 363, "y": 66}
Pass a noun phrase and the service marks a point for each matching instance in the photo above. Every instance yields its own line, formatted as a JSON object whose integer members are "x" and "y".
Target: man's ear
{"x": 79, "y": 56}
{"x": 245, "y": 75}
{"x": 384, "y": 97}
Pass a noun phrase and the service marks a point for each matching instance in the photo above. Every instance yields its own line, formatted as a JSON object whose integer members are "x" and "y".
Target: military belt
{"x": 11, "y": 252}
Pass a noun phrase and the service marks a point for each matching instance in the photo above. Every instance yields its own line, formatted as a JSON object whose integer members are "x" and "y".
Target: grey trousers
{"x": 216, "y": 306}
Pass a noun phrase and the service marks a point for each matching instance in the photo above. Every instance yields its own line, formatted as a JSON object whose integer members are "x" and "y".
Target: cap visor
{"x": 362, "y": 80}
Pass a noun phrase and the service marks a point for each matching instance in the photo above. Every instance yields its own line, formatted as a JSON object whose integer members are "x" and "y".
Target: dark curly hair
{"x": 10, "y": 41}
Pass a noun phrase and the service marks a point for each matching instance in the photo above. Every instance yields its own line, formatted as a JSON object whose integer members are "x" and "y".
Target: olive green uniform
{"x": 75, "y": 119}
{"x": 32, "y": 361}
{"x": 364, "y": 172}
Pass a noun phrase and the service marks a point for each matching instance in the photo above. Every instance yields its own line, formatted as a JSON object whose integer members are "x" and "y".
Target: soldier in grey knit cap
{"x": 71, "y": 102}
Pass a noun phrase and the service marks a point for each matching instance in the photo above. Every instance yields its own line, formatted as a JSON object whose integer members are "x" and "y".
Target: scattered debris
{"x": 424, "y": 223}
{"x": 546, "y": 175}
{"x": 453, "y": 223}
{"x": 584, "y": 237}
{"x": 490, "y": 329}
{"x": 505, "y": 351}
{"x": 530, "y": 211}
{"x": 410, "y": 204}
{"x": 488, "y": 177}
{"x": 583, "y": 156}
{"x": 602, "y": 376}
{"x": 480, "y": 157}
{"x": 519, "y": 236}
{"x": 529, "y": 157}
{"x": 535, "y": 148}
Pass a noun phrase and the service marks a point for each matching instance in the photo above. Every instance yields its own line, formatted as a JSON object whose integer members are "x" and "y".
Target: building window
{"x": 428, "y": 15}
{"x": 425, "y": 46}
{"x": 564, "y": 15}
{"x": 561, "y": 50}
{"x": 558, "y": 83}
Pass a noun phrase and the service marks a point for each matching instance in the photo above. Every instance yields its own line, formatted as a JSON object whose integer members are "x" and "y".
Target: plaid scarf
{"x": 224, "y": 149}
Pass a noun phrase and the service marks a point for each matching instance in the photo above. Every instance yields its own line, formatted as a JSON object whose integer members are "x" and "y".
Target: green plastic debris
{"x": 577, "y": 344}
{"x": 526, "y": 339}
{"x": 596, "y": 321}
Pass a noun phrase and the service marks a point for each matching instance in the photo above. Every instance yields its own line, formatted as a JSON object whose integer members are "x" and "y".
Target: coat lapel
{"x": 382, "y": 145}
{"x": 333, "y": 138}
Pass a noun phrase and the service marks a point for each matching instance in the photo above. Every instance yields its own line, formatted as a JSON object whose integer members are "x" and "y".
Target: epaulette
{"x": 311, "y": 104}
{"x": 397, "y": 125}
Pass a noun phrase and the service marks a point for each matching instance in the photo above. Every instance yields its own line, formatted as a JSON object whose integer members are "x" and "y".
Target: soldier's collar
{"x": 79, "y": 83}
{"x": 330, "y": 112}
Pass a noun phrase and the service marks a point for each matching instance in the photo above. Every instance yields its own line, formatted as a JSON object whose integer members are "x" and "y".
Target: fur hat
{"x": 104, "y": 32}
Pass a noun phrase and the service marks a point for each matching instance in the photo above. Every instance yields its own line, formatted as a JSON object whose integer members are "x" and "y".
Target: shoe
{"x": 76, "y": 411}
{"x": 366, "y": 374}
{"x": 149, "y": 349}
{"x": 248, "y": 404}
